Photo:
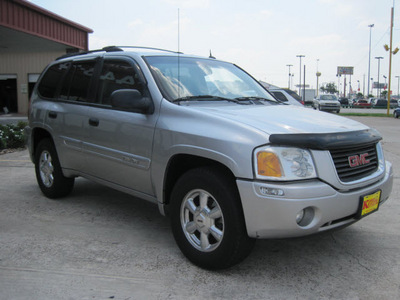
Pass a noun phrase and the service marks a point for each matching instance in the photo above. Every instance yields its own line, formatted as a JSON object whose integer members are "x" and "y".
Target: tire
{"x": 207, "y": 219}
{"x": 49, "y": 176}
{"x": 395, "y": 115}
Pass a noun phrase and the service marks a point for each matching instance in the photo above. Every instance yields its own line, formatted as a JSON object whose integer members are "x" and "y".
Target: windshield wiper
{"x": 204, "y": 98}
{"x": 254, "y": 98}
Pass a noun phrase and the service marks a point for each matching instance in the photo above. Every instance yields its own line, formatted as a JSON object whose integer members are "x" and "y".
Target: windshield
{"x": 185, "y": 78}
{"x": 328, "y": 97}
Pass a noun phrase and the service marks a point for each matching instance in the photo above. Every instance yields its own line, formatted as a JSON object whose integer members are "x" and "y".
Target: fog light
{"x": 305, "y": 216}
{"x": 300, "y": 216}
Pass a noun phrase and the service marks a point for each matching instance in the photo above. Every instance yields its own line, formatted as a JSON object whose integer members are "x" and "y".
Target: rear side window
{"x": 116, "y": 75}
{"x": 77, "y": 83}
{"x": 52, "y": 79}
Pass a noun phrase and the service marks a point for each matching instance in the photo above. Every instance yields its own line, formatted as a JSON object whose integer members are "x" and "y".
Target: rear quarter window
{"x": 52, "y": 80}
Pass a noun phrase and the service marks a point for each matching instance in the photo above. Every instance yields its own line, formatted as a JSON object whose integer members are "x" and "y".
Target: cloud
{"x": 97, "y": 43}
{"x": 135, "y": 23}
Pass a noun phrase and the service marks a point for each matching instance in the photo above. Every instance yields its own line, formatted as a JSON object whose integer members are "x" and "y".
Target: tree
{"x": 329, "y": 88}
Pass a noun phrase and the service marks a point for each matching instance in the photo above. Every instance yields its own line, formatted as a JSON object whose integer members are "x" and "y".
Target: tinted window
{"x": 293, "y": 94}
{"x": 280, "y": 96}
{"x": 116, "y": 75}
{"x": 77, "y": 83}
{"x": 51, "y": 80}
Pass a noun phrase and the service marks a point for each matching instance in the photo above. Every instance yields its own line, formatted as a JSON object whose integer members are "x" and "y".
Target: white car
{"x": 327, "y": 102}
{"x": 286, "y": 96}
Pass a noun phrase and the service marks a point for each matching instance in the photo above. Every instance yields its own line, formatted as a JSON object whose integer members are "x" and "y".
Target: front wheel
{"x": 49, "y": 176}
{"x": 207, "y": 219}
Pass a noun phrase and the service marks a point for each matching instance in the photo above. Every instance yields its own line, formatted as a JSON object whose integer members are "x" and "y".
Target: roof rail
{"x": 114, "y": 49}
{"x": 106, "y": 49}
{"x": 149, "y": 48}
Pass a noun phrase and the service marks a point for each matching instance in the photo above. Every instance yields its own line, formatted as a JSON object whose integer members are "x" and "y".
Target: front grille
{"x": 355, "y": 162}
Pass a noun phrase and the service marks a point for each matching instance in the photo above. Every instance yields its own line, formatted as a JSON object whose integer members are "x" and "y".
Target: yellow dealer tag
{"x": 370, "y": 203}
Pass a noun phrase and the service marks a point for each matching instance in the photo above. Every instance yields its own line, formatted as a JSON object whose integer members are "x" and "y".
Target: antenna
{"x": 211, "y": 56}
{"x": 179, "y": 60}
{"x": 178, "y": 31}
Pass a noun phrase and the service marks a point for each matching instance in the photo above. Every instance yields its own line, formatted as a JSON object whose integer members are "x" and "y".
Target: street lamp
{"x": 300, "y": 56}
{"x": 379, "y": 87}
{"x": 369, "y": 57}
{"x": 289, "y": 75}
{"x": 318, "y": 74}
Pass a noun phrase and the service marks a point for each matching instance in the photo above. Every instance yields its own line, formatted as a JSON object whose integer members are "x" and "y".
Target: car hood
{"x": 282, "y": 119}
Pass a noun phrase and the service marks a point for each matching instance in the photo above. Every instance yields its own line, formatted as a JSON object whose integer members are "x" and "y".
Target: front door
{"x": 119, "y": 144}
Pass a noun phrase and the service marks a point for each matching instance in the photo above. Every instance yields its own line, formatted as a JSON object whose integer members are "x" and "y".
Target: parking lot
{"x": 101, "y": 244}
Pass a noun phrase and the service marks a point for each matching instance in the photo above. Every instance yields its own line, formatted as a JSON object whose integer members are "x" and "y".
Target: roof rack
{"x": 149, "y": 48}
{"x": 114, "y": 49}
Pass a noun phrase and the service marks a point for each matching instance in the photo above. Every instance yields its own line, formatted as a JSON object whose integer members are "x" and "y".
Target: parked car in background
{"x": 396, "y": 113}
{"x": 327, "y": 102}
{"x": 362, "y": 104}
{"x": 382, "y": 103}
{"x": 286, "y": 96}
{"x": 344, "y": 102}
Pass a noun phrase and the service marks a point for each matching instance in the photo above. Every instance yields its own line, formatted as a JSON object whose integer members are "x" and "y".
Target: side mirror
{"x": 131, "y": 100}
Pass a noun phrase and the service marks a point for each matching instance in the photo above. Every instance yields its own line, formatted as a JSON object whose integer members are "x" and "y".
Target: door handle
{"x": 94, "y": 122}
{"x": 52, "y": 114}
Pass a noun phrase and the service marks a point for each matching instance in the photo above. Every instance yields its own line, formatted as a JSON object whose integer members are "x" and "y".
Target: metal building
{"x": 30, "y": 38}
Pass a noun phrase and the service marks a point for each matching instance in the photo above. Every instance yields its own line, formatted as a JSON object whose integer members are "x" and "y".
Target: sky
{"x": 261, "y": 36}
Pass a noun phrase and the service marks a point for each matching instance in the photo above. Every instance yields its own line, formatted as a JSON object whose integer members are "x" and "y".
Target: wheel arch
{"x": 39, "y": 134}
{"x": 181, "y": 163}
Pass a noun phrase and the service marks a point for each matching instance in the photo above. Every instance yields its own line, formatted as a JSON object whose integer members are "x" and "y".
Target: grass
{"x": 366, "y": 114}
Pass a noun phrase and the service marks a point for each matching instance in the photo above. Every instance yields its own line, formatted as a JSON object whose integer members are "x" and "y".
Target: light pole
{"x": 372, "y": 81}
{"x": 300, "y": 56}
{"x": 289, "y": 75}
{"x": 379, "y": 64}
{"x": 384, "y": 87}
{"x": 318, "y": 74}
{"x": 369, "y": 57}
{"x": 338, "y": 83}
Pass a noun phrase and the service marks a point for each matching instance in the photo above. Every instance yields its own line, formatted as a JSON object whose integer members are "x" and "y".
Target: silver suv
{"x": 208, "y": 144}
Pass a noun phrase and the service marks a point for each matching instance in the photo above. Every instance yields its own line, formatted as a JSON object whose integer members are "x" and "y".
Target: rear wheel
{"x": 207, "y": 219}
{"x": 49, "y": 176}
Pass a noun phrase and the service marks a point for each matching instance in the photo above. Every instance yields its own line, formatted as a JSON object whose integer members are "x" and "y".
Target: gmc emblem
{"x": 358, "y": 160}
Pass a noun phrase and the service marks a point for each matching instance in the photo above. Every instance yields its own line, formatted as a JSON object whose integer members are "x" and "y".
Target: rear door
{"x": 119, "y": 143}
{"x": 67, "y": 85}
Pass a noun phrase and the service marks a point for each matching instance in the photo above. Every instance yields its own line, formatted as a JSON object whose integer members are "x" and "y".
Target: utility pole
{"x": 379, "y": 87}
{"x": 318, "y": 75}
{"x": 369, "y": 57}
{"x": 290, "y": 75}
{"x": 300, "y": 56}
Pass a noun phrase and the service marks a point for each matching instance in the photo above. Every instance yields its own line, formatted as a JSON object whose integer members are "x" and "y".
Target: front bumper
{"x": 275, "y": 216}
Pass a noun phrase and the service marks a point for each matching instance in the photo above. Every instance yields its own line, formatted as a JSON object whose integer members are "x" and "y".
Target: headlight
{"x": 283, "y": 163}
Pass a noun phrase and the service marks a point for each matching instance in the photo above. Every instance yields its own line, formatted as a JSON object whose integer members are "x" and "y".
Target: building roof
{"x": 19, "y": 18}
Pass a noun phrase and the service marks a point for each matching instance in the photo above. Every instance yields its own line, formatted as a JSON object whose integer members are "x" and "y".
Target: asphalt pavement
{"x": 101, "y": 244}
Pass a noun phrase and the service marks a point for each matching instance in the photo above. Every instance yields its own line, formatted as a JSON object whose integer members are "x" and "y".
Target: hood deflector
{"x": 326, "y": 141}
